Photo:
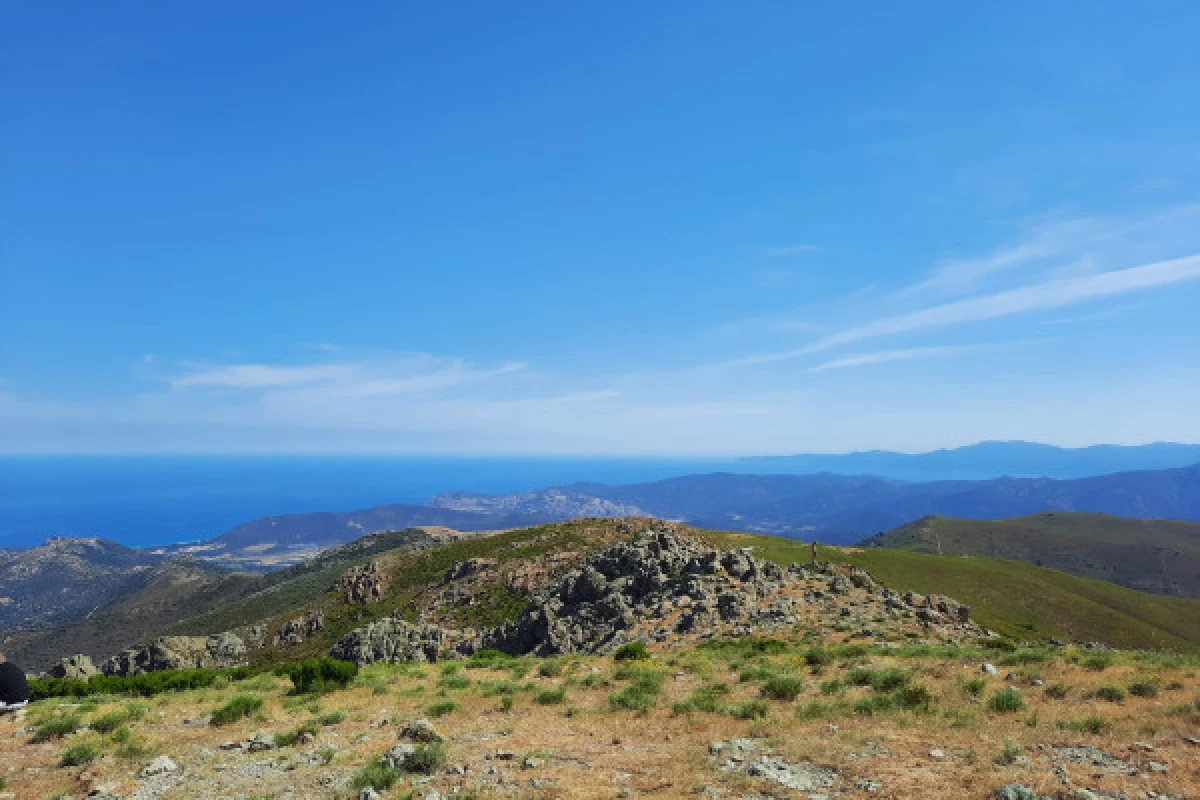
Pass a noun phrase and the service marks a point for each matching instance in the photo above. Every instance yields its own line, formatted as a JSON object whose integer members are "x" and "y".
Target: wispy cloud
{"x": 911, "y": 353}
{"x": 1043, "y": 296}
{"x": 399, "y": 375}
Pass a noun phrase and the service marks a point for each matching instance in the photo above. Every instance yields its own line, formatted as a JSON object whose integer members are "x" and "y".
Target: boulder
{"x": 76, "y": 667}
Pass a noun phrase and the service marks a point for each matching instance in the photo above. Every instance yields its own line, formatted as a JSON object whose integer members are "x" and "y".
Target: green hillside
{"x": 1014, "y": 598}
{"x": 1153, "y": 555}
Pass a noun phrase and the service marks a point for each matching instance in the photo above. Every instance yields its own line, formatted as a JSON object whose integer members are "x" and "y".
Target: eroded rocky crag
{"x": 669, "y": 586}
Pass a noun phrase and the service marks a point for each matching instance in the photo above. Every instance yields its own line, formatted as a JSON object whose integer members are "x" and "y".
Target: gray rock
{"x": 398, "y": 756}
{"x": 988, "y": 669}
{"x": 163, "y": 765}
{"x": 76, "y": 667}
{"x": 1015, "y": 791}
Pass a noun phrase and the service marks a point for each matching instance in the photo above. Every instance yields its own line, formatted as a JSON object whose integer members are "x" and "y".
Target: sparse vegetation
{"x": 239, "y": 707}
{"x": 1006, "y": 701}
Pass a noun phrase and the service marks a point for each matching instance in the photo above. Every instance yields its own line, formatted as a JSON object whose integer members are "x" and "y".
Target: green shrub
{"x": 782, "y": 687}
{"x": 319, "y": 675}
{"x": 454, "y": 682}
{"x": 1144, "y": 689}
{"x": 490, "y": 659}
{"x": 1056, "y": 691}
{"x": 426, "y": 759}
{"x": 974, "y": 686}
{"x": 1026, "y": 656}
{"x": 1112, "y": 694}
{"x": 376, "y": 776}
{"x": 816, "y": 710}
{"x": 550, "y": 669}
{"x": 999, "y": 645}
{"x": 889, "y": 680}
{"x": 550, "y": 697}
{"x": 914, "y": 698}
{"x": 239, "y": 707}
{"x": 80, "y": 753}
{"x": 1010, "y": 752}
{"x": 751, "y": 709}
{"x": 332, "y": 718}
{"x": 831, "y": 686}
{"x": 506, "y": 702}
{"x": 860, "y": 676}
{"x": 704, "y": 698}
{"x": 1006, "y": 701}
{"x": 872, "y": 704}
{"x": 288, "y": 738}
{"x": 1098, "y": 662}
{"x": 109, "y": 721}
{"x": 56, "y": 727}
{"x": 1093, "y": 724}
{"x": 755, "y": 672}
{"x": 818, "y": 657}
{"x": 631, "y": 698}
{"x": 632, "y": 651}
{"x": 441, "y": 708}
{"x": 145, "y": 685}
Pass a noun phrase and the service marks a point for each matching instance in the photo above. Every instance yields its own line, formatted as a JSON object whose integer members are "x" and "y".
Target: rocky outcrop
{"x": 659, "y": 586}
{"x": 364, "y": 584}
{"x": 394, "y": 640}
{"x": 76, "y": 667}
{"x": 296, "y": 630}
{"x": 219, "y": 651}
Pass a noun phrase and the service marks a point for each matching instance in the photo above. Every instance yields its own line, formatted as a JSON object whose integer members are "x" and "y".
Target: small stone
{"x": 368, "y": 794}
{"x": 505, "y": 755}
{"x": 988, "y": 669}
{"x": 532, "y": 762}
{"x": 937, "y": 754}
{"x": 1144, "y": 746}
{"x": 1015, "y": 791}
{"x": 162, "y": 765}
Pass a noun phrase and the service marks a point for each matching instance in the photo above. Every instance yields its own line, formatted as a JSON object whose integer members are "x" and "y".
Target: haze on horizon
{"x": 678, "y": 229}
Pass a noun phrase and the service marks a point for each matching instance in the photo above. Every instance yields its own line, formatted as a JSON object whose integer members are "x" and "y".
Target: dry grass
{"x": 592, "y": 751}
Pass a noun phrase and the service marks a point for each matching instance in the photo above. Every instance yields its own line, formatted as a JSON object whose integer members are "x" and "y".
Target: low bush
{"x": 55, "y": 727}
{"x": 550, "y": 697}
{"x": 427, "y": 759}
{"x": 1112, "y": 694}
{"x": 1143, "y": 689}
{"x": 974, "y": 686}
{"x": 914, "y": 698}
{"x": 319, "y": 675}
{"x": 631, "y": 698}
{"x": 1006, "y": 701}
{"x": 632, "y": 651}
{"x": 818, "y": 657}
{"x": 441, "y": 708}
{"x": 489, "y": 659}
{"x": 1094, "y": 724}
{"x": 751, "y": 709}
{"x": 239, "y": 707}
{"x": 1057, "y": 691}
{"x": 80, "y": 753}
{"x": 376, "y": 776}
{"x": 782, "y": 687}
{"x": 145, "y": 685}
{"x": 1098, "y": 662}
{"x": 109, "y": 721}
{"x": 288, "y": 738}
{"x": 331, "y": 718}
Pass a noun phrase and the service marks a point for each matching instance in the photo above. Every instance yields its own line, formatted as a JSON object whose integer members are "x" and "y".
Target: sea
{"x": 148, "y": 500}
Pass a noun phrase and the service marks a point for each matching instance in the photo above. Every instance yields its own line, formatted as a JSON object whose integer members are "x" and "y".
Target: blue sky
{"x": 626, "y": 228}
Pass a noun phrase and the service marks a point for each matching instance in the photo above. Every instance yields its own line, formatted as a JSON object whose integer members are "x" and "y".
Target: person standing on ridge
{"x": 14, "y": 689}
{"x": 814, "y": 551}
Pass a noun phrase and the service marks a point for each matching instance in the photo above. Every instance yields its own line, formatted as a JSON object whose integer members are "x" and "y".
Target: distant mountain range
{"x": 986, "y": 460}
{"x": 1152, "y": 555}
{"x": 843, "y": 509}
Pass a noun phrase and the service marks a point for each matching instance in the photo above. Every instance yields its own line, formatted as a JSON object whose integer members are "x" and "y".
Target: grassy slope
{"x": 1015, "y": 598}
{"x": 1156, "y": 555}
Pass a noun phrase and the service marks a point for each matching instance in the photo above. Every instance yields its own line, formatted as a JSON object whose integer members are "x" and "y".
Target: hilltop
{"x": 1152, "y": 555}
{"x": 599, "y": 658}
